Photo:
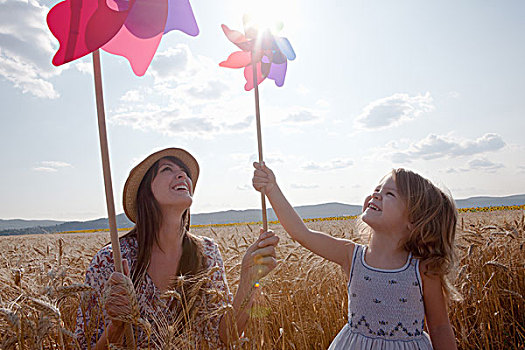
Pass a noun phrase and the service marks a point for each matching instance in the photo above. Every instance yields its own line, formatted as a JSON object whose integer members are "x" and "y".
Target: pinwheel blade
{"x": 248, "y": 75}
{"x": 286, "y": 48}
{"x": 82, "y": 27}
{"x": 278, "y": 73}
{"x": 181, "y": 17}
{"x": 140, "y": 35}
{"x": 238, "y": 59}
{"x": 237, "y": 38}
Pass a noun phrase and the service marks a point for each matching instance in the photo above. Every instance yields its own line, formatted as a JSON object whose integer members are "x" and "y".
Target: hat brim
{"x": 137, "y": 174}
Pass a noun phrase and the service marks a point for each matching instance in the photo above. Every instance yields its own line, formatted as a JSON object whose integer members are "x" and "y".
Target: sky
{"x": 437, "y": 87}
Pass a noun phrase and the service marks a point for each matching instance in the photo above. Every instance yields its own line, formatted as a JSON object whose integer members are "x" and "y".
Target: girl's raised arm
{"x": 334, "y": 249}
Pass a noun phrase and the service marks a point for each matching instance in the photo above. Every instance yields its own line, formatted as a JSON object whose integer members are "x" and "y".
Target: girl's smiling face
{"x": 385, "y": 209}
{"x": 172, "y": 186}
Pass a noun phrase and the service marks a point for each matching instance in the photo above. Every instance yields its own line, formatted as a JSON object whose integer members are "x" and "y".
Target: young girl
{"x": 399, "y": 283}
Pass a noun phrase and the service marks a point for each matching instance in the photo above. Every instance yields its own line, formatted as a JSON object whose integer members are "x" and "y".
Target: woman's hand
{"x": 118, "y": 300}
{"x": 257, "y": 262}
{"x": 263, "y": 178}
{"x": 260, "y": 257}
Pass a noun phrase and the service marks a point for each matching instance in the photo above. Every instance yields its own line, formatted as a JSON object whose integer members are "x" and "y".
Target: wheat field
{"x": 303, "y": 302}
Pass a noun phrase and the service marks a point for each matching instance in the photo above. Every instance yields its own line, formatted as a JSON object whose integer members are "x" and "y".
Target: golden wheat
{"x": 302, "y": 304}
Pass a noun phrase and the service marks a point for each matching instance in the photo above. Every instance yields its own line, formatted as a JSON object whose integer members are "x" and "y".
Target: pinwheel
{"x": 268, "y": 51}
{"x": 268, "y": 54}
{"x": 129, "y": 28}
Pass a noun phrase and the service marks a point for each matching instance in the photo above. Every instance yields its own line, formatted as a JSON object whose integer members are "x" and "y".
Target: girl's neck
{"x": 384, "y": 251}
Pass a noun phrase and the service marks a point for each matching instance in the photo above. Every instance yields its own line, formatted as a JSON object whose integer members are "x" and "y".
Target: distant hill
{"x": 485, "y": 201}
{"x": 222, "y": 217}
{"x": 19, "y": 223}
{"x": 232, "y": 216}
{"x": 251, "y": 215}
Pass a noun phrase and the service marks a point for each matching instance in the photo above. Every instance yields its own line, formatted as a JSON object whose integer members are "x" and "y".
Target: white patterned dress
{"x": 385, "y": 308}
{"x": 92, "y": 318}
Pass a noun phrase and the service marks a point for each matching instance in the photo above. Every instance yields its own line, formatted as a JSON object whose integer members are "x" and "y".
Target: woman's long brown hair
{"x": 146, "y": 230}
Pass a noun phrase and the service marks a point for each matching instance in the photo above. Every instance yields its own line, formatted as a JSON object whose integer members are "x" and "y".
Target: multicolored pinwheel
{"x": 129, "y": 28}
{"x": 269, "y": 51}
{"x": 269, "y": 54}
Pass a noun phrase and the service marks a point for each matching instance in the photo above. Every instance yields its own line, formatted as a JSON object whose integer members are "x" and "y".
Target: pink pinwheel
{"x": 129, "y": 28}
{"x": 270, "y": 53}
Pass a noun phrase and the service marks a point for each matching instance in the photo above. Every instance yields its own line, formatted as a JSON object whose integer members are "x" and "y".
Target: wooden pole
{"x": 115, "y": 245}
{"x": 117, "y": 257}
{"x": 259, "y": 137}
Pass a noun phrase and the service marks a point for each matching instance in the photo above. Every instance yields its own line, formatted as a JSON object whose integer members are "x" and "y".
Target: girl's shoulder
{"x": 424, "y": 270}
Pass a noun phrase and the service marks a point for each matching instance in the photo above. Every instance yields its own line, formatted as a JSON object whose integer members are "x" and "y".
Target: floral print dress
{"x": 161, "y": 311}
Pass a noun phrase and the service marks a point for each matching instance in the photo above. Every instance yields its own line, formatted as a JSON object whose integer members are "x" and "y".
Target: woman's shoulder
{"x": 210, "y": 249}
{"x": 206, "y": 242}
{"x": 104, "y": 257}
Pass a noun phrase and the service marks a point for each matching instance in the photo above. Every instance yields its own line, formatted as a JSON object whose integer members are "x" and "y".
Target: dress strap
{"x": 418, "y": 276}
{"x": 358, "y": 248}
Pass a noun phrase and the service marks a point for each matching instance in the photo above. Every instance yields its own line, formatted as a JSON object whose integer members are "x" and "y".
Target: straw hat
{"x": 137, "y": 174}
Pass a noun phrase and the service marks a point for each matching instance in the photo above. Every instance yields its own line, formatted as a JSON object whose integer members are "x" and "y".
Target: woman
{"x": 195, "y": 310}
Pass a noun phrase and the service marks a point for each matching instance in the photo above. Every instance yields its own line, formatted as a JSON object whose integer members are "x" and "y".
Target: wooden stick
{"x": 115, "y": 245}
{"x": 117, "y": 258}
{"x": 259, "y": 137}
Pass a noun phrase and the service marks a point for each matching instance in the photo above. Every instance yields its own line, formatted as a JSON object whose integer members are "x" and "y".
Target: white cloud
{"x": 168, "y": 122}
{"x": 439, "y": 146}
{"x": 51, "y": 166}
{"x": 244, "y": 187}
{"x": 484, "y": 164}
{"x": 477, "y": 164}
{"x": 302, "y": 90}
{"x": 322, "y": 103}
{"x": 454, "y": 94}
{"x": 303, "y": 187}
{"x": 242, "y": 125}
{"x": 191, "y": 96}
{"x": 269, "y": 159}
{"x": 170, "y": 64}
{"x": 210, "y": 90}
{"x": 84, "y": 66}
{"x": 26, "y": 48}
{"x": 302, "y": 117}
{"x": 56, "y": 164}
{"x": 393, "y": 111}
{"x": 329, "y": 165}
{"x": 45, "y": 169}
{"x": 132, "y": 96}
{"x": 182, "y": 100}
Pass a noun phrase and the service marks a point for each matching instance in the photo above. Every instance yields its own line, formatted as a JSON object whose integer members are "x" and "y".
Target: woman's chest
{"x": 163, "y": 269}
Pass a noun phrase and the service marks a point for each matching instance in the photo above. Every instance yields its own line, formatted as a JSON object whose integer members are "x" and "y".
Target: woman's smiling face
{"x": 385, "y": 209}
{"x": 172, "y": 186}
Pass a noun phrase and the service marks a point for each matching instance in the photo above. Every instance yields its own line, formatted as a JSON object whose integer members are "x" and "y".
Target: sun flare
{"x": 269, "y": 14}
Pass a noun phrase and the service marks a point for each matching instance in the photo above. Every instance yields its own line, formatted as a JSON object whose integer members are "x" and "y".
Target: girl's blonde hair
{"x": 433, "y": 217}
